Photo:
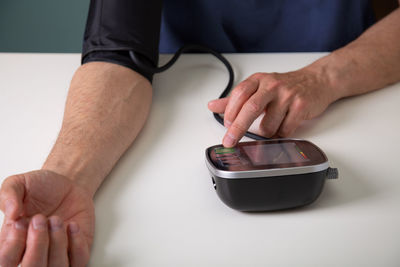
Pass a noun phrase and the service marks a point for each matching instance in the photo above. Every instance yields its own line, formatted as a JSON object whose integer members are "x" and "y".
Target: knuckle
{"x": 300, "y": 104}
{"x": 286, "y": 96}
{"x": 238, "y": 128}
{"x": 275, "y": 84}
{"x": 241, "y": 89}
{"x": 273, "y": 87}
{"x": 258, "y": 75}
{"x": 253, "y": 106}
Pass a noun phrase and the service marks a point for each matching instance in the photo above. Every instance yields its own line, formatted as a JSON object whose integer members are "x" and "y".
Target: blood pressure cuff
{"x": 115, "y": 27}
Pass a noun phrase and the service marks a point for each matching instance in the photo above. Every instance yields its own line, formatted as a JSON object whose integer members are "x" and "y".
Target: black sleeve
{"x": 115, "y": 27}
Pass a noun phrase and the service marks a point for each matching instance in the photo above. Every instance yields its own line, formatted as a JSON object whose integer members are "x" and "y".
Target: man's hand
{"x": 49, "y": 221}
{"x": 286, "y": 99}
{"x": 49, "y": 214}
{"x": 370, "y": 62}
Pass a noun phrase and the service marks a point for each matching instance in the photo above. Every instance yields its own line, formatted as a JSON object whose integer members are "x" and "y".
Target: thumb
{"x": 11, "y": 196}
{"x": 218, "y": 105}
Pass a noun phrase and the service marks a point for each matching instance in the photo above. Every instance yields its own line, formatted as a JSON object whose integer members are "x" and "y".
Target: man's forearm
{"x": 370, "y": 62}
{"x": 106, "y": 108}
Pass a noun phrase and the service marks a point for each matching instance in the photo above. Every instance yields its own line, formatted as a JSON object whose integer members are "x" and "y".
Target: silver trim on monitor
{"x": 266, "y": 172}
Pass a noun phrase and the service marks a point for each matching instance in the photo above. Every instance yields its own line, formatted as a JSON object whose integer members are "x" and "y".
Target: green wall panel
{"x": 42, "y": 25}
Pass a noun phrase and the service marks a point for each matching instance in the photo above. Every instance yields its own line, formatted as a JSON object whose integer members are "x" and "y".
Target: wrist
{"x": 82, "y": 169}
{"x": 329, "y": 71}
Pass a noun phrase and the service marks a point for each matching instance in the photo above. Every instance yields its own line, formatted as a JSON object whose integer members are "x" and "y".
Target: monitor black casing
{"x": 276, "y": 189}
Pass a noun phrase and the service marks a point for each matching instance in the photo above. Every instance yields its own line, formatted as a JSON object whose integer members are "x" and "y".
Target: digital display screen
{"x": 281, "y": 153}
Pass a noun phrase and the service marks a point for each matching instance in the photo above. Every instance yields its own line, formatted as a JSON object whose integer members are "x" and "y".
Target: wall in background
{"x": 56, "y": 26}
{"x": 42, "y": 25}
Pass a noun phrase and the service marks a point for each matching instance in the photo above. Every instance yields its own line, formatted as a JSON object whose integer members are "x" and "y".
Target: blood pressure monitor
{"x": 269, "y": 174}
{"x": 260, "y": 175}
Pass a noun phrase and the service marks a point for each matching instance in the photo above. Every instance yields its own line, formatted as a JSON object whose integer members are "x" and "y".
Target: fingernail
{"x": 9, "y": 207}
{"x": 21, "y": 224}
{"x": 39, "y": 223}
{"x": 229, "y": 140}
{"x": 227, "y": 123}
{"x": 55, "y": 224}
{"x": 73, "y": 228}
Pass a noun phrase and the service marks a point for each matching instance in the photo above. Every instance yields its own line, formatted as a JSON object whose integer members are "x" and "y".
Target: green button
{"x": 225, "y": 150}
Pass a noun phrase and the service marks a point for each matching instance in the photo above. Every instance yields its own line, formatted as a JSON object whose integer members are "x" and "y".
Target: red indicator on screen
{"x": 304, "y": 155}
{"x": 301, "y": 152}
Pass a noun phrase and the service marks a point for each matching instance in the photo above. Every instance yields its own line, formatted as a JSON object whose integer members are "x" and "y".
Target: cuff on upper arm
{"x": 117, "y": 57}
{"x": 115, "y": 27}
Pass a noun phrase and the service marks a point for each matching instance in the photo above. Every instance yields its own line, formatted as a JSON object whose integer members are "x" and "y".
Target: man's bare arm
{"x": 49, "y": 213}
{"x": 106, "y": 108}
{"x": 370, "y": 62}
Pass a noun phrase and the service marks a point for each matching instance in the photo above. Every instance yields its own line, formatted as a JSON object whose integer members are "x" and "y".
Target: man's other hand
{"x": 49, "y": 221}
{"x": 286, "y": 99}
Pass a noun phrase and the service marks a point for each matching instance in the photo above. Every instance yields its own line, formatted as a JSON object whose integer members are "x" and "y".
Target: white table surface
{"x": 158, "y": 206}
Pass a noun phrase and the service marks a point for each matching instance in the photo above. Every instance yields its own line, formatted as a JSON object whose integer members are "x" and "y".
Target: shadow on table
{"x": 350, "y": 188}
